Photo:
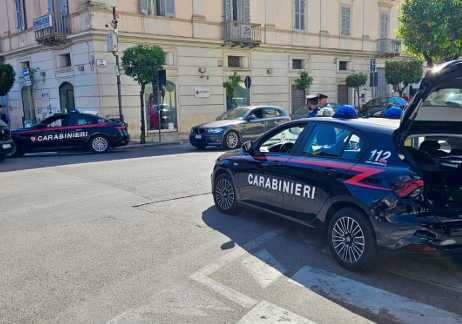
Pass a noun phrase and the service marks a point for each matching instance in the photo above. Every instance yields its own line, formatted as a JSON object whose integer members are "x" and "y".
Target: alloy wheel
{"x": 348, "y": 239}
{"x": 99, "y": 144}
{"x": 232, "y": 140}
{"x": 224, "y": 194}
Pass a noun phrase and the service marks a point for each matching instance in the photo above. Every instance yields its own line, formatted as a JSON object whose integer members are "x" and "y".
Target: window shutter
{"x": 228, "y": 10}
{"x": 384, "y": 25}
{"x": 244, "y": 9}
{"x": 51, "y": 5}
{"x": 302, "y": 14}
{"x": 170, "y": 8}
{"x": 161, "y": 4}
{"x": 64, "y": 7}
{"x": 144, "y": 7}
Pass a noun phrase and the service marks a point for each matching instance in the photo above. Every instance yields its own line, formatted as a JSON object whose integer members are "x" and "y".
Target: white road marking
{"x": 201, "y": 275}
{"x": 264, "y": 268}
{"x": 268, "y": 313}
{"x": 372, "y": 299}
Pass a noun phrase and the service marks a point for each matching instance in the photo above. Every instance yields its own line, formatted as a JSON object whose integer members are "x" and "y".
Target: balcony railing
{"x": 388, "y": 47}
{"x": 52, "y": 29}
{"x": 242, "y": 34}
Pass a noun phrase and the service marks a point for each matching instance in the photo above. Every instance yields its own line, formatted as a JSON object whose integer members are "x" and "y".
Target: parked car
{"x": 376, "y": 107}
{"x": 366, "y": 183}
{"x": 6, "y": 143}
{"x": 71, "y": 131}
{"x": 236, "y": 126}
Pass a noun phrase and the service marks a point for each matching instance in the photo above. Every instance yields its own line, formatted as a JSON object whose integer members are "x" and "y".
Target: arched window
{"x": 66, "y": 97}
{"x": 28, "y": 107}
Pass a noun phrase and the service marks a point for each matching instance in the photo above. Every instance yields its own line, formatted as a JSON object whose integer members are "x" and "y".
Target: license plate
{"x": 198, "y": 137}
{"x": 6, "y": 146}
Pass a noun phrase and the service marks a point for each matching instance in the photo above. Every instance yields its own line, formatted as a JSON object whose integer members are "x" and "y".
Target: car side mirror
{"x": 251, "y": 117}
{"x": 248, "y": 148}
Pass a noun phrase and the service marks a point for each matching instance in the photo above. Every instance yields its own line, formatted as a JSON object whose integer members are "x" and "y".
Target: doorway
{"x": 343, "y": 94}
{"x": 28, "y": 118}
{"x": 66, "y": 97}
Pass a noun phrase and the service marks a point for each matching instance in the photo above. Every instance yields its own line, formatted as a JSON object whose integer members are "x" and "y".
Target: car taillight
{"x": 408, "y": 188}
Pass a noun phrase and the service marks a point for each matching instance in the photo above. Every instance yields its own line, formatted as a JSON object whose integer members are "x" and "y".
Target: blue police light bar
{"x": 393, "y": 113}
{"x": 346, "y": 112}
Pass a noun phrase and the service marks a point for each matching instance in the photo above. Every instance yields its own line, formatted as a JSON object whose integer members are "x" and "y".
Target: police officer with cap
{"x": 313, "y": 106}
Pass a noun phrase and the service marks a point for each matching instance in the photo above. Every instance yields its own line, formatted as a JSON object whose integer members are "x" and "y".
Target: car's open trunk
{"x": 439, "y": 161}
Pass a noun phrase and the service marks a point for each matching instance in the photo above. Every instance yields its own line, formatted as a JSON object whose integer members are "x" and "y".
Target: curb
{"x": 138, "y": 145}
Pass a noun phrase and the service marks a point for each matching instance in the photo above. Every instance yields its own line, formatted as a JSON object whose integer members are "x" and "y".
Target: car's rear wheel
{"x": 351, "y": 240}
{"x": 231, "y": 140}
{"x": 224, "y": 194}
{"x": 99, "y": 144}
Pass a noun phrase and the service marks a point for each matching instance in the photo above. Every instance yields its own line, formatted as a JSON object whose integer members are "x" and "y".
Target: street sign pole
{"x": 115, "y": 26}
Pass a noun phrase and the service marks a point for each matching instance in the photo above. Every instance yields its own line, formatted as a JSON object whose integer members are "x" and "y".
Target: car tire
{"x": 224, "y": 195}
{"x": 99, "y": 144}
{"x": 351, "y": 240}
{"x": 232, "y": 140}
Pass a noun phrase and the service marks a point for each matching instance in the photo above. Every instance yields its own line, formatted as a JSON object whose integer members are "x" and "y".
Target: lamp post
{"x": 115, "y": 52}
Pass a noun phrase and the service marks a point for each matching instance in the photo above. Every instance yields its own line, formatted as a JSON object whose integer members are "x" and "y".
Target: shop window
{"x": 239, "y": 98}
{"x": 167, "y": 109}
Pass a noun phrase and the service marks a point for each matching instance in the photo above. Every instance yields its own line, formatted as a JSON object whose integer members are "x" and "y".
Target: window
{"x": 345, "y": 17}
{"x": 80, "y": 120}
{"x": 157, "y": 7}
{"x": 297, "y": 64}
{"x": 299, "y": 14}
{"x": 237, "y": 10}
{"x": 331, "y": 141}
{"x": 283, "y": 141}
{"x": 271, "y": 113}
{"x": 353, "y": 148}
{"x": 443, "y": 105}
{"x": 55, "y": 121}
{"x": 234, "y": 61}
{"x": 384, "y": 25}
{"x": 258, "y": 113}
{"x": 21, "y": 20}
{"x": 343, "y": 66}
{"x": 64, "y": 60}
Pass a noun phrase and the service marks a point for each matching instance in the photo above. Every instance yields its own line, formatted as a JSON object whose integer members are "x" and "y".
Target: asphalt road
{"x": 132, "y": 237}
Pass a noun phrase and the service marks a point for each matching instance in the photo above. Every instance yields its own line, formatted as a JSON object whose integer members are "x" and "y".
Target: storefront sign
{"x": 201, "y": 92}
{"x": 42, "y": 22}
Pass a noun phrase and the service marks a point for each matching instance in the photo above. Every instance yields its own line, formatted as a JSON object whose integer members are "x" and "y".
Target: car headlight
{"x": 215, "y": 130}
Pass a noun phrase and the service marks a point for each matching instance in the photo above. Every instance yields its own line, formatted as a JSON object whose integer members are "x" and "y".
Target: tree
{"x": 400, "y": 74}
{"x": 230, "y": 86}
{"x": 432, "y": 30}
{"x": 7, "y": 76}
{"x": 356, "y": 81}
{"x": 143, "y": 63}
{"x": 304, "y": 82}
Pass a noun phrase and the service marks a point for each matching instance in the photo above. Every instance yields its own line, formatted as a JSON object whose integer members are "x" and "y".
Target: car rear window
{"x": 444, "y": 105}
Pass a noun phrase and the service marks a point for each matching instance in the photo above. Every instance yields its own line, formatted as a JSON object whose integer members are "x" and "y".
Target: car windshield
{"x": 237, "y": 113}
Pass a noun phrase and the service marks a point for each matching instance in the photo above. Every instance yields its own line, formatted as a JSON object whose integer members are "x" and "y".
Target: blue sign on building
{"x": 42, "y": 22}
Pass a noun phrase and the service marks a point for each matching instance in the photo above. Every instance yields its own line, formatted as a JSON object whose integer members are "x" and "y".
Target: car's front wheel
{"x": 231, "y": 140}
{"x": 99, "y": 144}
{"x": 351, "y": 240}
{"x": 224, "y": 194}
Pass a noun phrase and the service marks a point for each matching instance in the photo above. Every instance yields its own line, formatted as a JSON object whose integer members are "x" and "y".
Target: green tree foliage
{"x": 230, "y": 86}
{"x": 142, "y": 63}
{"x": 400, "y": 74}
{"x": 356, "y": 81}
{"x": 304, "y": 82}
{"x": 432, "y": 29}
{"x": 7, "y": 76}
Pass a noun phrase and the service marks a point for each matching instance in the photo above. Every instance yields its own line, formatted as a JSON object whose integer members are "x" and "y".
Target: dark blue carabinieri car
{"x": 368, "y": 183}
{"x": 71, "y": 131}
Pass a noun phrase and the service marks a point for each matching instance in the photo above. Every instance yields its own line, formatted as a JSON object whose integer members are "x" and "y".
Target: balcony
{"x": 52, "y": 29}
{"x": 388, "y": 47}
{"x": 242, "y": 34}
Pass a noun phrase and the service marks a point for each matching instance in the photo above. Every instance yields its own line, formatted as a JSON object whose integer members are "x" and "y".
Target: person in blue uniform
{"x": 313, "y": 105}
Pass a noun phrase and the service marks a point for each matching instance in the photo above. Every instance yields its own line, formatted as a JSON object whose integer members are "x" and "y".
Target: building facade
{"x": 58, "y": 49}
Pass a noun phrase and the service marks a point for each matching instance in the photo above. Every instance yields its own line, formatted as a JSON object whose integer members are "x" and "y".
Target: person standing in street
{"x": 313, "y": 107}
{"x": 324, "y": 109}
{"x": 3, "y": 115}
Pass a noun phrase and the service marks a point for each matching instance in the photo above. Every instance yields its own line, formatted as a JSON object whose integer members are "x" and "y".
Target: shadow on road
{"x": 298, "y": 247}
{"x": 43, "y": 160}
